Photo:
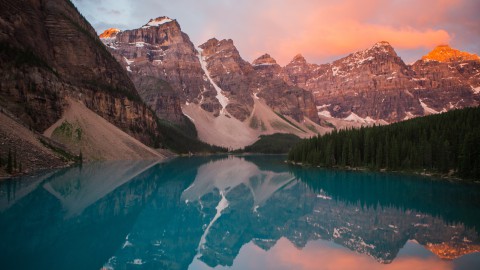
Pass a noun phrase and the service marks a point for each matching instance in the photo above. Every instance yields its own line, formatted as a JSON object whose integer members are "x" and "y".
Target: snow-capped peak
{"x": 157, "y": 22}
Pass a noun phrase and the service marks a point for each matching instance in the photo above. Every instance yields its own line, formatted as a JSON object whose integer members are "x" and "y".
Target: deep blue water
{"x": 253, "y": 212}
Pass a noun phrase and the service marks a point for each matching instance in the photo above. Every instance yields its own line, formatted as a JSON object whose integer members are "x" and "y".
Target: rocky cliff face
{"x": 158, "y": 54}
{"x": 451, "y": 82}
{"x": 298, "y": 71}
{"x": 272, "y": 85}
{"x": 215, "y": 76}
{"x": 376, "y": 86}
{"x": 264, "y": 79}
{"x": 445, "y": 53}
{"x": 49, "y": 51}
{"x": 231, "y": 73}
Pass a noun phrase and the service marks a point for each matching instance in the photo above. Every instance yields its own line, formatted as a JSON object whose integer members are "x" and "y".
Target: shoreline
{"x": 426, "y": 174}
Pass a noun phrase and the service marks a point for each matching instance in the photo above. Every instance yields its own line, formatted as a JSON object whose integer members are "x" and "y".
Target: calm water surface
{"x": 235, "y": 213}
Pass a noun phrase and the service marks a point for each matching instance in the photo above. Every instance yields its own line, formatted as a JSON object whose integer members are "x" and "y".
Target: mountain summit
{"x": 265, "y": 59}
{"x": 110, "y": 33}
{"x": 445, "y": 53}
{"x": 157, "y": 22}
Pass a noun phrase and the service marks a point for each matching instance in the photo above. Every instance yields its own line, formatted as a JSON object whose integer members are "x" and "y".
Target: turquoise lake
{"x": 228, "y": 212}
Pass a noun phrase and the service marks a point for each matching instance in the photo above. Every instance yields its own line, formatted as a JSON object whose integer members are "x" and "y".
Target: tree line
{"x": 443, "y": 143}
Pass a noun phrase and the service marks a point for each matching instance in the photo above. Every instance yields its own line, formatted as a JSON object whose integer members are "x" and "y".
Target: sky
{"x": 321, "y": 30}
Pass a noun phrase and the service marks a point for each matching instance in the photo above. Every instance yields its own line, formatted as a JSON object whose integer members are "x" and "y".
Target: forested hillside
{"x": 443, "y": 143}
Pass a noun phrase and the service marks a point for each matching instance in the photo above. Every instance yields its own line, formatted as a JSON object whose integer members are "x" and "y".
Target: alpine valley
{"x": 66, "y": 93}
{"x": 145, "y": 149}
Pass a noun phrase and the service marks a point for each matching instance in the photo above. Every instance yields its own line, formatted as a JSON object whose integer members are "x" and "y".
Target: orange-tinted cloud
{"x": 313, "y": 257}
{"x": 322, "y": 30}
{"x": 319, "y": 30}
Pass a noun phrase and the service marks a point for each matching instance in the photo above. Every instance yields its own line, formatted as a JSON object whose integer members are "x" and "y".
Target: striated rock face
{"x": 158, "y": 54}
{"x": 49, "y": 51}
{"x": 444, "y": 53}
{"x": 376, "y": 86}
{"x": 263, "y": 79}
{"x": 231, "y": 73}
{"x": 298, "y": 71}
{"x": 215, "y": 77}
{"x": 271, "y": 85}
{"x": 447, "y": 85}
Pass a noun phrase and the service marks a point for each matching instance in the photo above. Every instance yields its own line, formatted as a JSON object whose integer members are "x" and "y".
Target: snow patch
{"x": 323, "y": 106}
{"x": 409, "y": 115}
{"x": 325, "y": 197}
{"x": 336, "y": 234}
{"x": 427, "y": 109}
{"x": 325, "y": 113}
{"x": 335, "y": 71}
{"x": 138, "y": 262}
{"x": 127, "y": 242}
{"x": 355, "y": 118}
{"x": 128, "y": 61}
{"x": 421, "y": 225}
{"x": 191, "y": 119}
{"x": 363, "y": 60}
{"x": 264, "y": 64}
{"x": 476, "y": 90}
{"x": 222, "y": 205}
{"x": 157, "y": 22}
{"x": 220, "y": 96}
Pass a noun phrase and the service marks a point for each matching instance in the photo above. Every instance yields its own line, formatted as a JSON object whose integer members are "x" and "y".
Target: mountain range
{"x": 213, "y": 81}
{"x": 117, "y": 95}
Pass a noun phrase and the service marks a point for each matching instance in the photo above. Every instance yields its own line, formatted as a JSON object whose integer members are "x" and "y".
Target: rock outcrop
{"x": 158, "y": 54}
{"x": 231, "y": 73}
{"x": 263, "y": 78}
{"x": 270, "y": 83}
{"x": 214, "y": 76}
{"x": 376, "y": 86}
{"x": 445, "y": 53}
{"x": 48, "y": 51}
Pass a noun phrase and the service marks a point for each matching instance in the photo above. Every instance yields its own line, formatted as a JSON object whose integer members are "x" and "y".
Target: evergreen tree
{"x": 437, "y": 143}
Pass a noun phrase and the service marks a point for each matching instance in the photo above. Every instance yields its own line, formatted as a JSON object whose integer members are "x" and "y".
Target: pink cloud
{"x": 321, "y": 256}
{"x": 319, "y": 29}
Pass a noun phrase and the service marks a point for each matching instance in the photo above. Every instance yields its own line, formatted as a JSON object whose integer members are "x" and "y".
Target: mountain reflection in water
{"x": 252, "y": 212}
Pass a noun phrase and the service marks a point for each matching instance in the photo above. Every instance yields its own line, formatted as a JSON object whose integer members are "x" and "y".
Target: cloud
{"x": 324, "y": 255}
{"x": 321, "y": 30}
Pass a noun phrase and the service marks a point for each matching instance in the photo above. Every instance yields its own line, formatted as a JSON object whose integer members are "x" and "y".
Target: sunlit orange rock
{"x": 110, "y": 33}
{"x": 451, "y": 251}
{"x": 444, "y": 53}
